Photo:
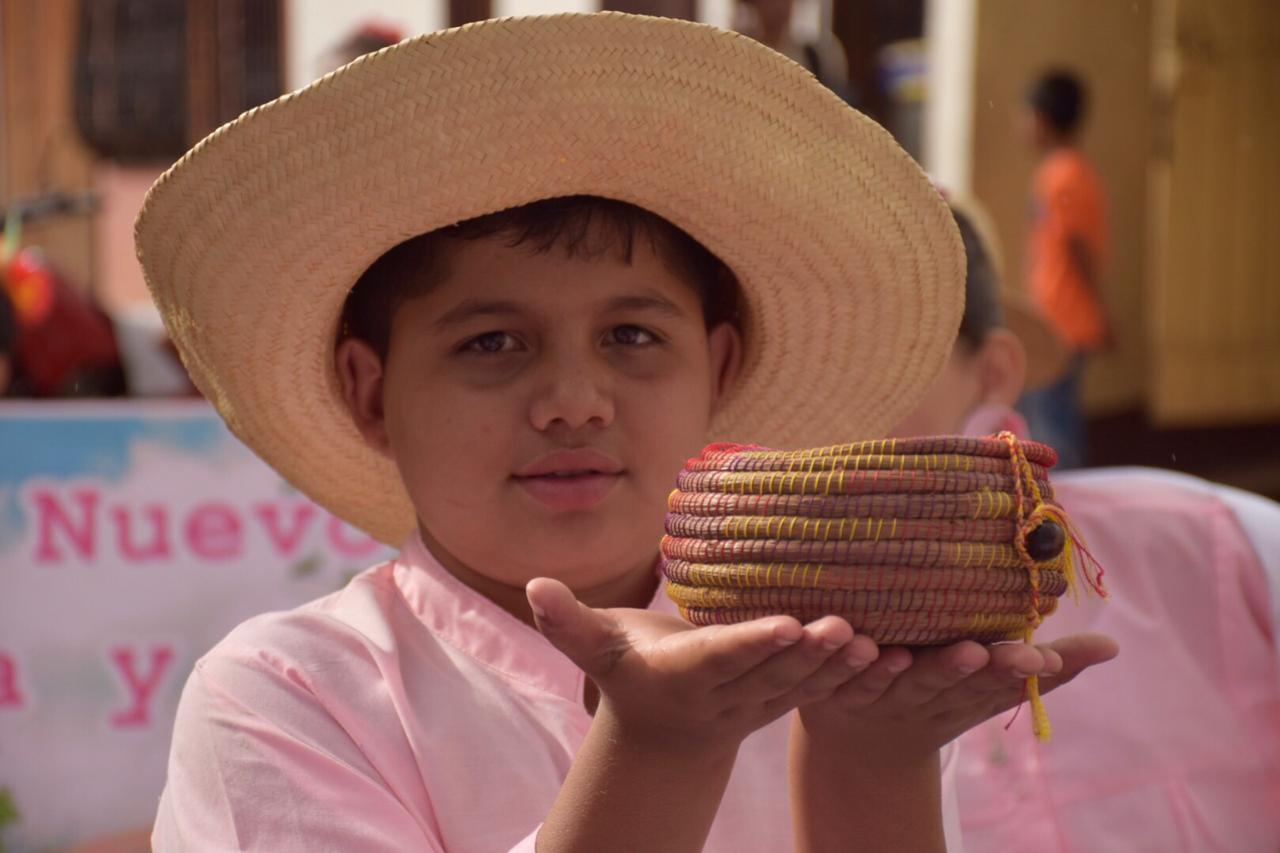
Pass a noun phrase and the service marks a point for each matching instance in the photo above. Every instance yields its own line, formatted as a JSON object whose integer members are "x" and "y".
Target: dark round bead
{"x": 1046, "y": 541}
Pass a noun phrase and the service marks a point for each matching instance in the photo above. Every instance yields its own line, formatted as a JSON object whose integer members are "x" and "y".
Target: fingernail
{"x": 897, "y": 666}
{"x": 538, "y": 613}
{"x": 830, "y": 644}
{"x": 1022, "y": 673}
{"x": 782, "y": 641}
{"x": 967, "y": 670}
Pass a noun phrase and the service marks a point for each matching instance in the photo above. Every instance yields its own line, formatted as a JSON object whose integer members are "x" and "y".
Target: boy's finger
{"x": 589, "y": 638}
{"x": 1009, "y": 665}
{"x": 726, "y": 652}
{"x": 845, "y": 664}
{"x": 866, "y": 689}
{"x": 1001, "y": 681}
{"x": 783, "y": 672}
{"x": 935, "y": 671}
{"x": 1077, "y": 653}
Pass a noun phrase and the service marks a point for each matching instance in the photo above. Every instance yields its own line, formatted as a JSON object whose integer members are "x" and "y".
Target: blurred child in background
{"x": 1067, "y": 254}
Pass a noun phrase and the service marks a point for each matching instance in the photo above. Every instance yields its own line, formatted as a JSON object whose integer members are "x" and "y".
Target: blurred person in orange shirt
{"x": 1067, "y": 253}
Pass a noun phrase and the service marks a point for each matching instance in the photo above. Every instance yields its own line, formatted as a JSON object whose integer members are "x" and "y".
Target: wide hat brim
{"x": 850, "y": 265}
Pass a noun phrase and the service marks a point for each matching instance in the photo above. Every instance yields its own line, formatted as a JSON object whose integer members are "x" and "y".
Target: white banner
{"x": 133, "y": 536}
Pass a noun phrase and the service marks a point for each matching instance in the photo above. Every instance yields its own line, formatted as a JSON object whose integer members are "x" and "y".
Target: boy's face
{"x": 538, "y": 408}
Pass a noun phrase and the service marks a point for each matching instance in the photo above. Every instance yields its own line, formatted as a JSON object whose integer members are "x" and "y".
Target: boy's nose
{"x": 572, "y": 398}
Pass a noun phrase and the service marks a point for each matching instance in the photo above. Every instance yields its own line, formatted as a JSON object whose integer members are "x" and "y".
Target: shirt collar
{"x": 467, "y": 621}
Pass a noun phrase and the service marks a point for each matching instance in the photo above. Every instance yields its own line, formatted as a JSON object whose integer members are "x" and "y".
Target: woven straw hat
{"x": 849, "y": 263}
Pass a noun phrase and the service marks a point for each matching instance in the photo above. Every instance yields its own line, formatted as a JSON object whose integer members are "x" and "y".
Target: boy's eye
{"x": 628, "y": 335}
{"x": 491, "y": 342}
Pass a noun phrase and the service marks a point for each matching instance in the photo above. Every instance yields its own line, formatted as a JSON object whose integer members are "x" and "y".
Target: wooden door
{"x": 1214, "y": 292}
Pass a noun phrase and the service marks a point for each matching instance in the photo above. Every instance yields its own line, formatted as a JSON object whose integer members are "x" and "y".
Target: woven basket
{"x": 915, "y": 542}
{"x": 920, "y": 541}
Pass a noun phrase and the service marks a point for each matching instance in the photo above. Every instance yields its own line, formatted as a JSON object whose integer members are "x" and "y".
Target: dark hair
{"x": 1061, "y": 98}
{"x": 982, "y": 311}
{"x": 586, "y": 227}
{"x": 8, "y": 325}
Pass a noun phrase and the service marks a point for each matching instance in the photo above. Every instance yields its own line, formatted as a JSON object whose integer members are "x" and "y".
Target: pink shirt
{"x": 1174, "y": 746}
{"x": 407, "y": 712}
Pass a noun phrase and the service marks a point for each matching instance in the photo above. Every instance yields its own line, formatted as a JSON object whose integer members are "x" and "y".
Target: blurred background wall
{"x": 1184, "y": 123}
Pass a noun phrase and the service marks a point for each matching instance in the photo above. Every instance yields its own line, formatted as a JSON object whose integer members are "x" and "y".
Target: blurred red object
{"x": 62, "y": 336}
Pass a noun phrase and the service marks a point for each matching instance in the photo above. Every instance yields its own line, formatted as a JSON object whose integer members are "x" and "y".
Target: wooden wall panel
{"x": 1215, "y": 318}
{"x": 42, "y": 149}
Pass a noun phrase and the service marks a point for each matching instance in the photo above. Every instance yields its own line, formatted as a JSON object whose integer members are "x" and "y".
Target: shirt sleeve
{"x": 1259, "y": 519}
{"x": 258, "y": 763}
{"x": 271, "y": 771}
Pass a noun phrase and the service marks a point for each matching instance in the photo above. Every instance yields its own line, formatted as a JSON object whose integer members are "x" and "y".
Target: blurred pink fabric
{"x": 1175, "y": 745}
{"x": 407, "y": 712}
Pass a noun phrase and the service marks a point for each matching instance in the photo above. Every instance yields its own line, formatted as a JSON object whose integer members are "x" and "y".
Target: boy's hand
{"x": 670, "y": 685}
{"x": 913, "y": 702}
{"x": 864, "y": 763}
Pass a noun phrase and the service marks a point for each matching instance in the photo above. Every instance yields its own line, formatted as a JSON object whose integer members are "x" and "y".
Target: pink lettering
{"x": 345, "y": 543}
{"x": 285, "y": 537}
{"x": 10, "y": 695}
{"x": 158, "y": 546}
{"x": 213, "y": 532}
{"x": 50, "y": 514}
{"x": 141, "y": 687}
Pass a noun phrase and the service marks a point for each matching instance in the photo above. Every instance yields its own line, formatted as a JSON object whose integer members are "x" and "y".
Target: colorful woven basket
{"x": 915, "y": 542}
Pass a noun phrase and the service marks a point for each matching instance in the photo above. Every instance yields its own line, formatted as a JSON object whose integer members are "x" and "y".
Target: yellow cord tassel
{"x": 1073, "y": 552}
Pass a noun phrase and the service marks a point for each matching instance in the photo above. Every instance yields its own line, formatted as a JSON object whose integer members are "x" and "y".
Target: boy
{"x": 1066, "y": 255}
{"x": 481, "y": 294}
{"x": 1176, "y": 746}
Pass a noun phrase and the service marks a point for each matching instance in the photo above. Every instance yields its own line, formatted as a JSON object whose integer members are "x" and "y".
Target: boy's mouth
{"x": 569, "y": 480}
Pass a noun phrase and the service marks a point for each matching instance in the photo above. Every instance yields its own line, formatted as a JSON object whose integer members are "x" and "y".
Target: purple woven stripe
{"x": 913, "y": 554}
{"x": 862, "y": 604}
{"x": 901, "y": 632}
{"x": 995, "y": 531}
{"x": 860, "y": 464}
{"x": 831, "y": 576}
{"x": 1036, "y": 453}
{"x": 913, "y": 506}
{"x": 850, "y": 483}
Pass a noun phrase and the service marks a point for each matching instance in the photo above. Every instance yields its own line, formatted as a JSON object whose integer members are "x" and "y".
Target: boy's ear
{"x": 360, "y": 377}
{"x": 1002, "y": 361}
{"x": 725, "y": 342}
